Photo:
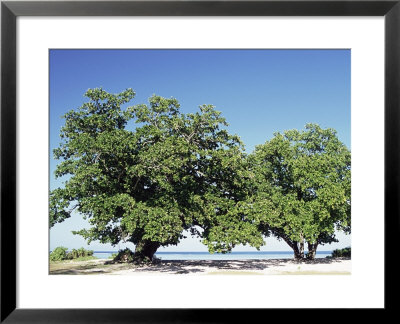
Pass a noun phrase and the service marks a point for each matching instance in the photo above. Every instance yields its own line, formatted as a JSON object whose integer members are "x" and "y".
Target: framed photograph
{"x": 268, "y": 66}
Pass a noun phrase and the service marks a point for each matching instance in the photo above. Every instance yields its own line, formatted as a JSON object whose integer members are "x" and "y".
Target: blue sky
{"x": 258, "y": 91}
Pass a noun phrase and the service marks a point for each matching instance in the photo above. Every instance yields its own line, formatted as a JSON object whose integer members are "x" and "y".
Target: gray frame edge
{"x": 11, "y": 10}
{"x": 392, "y": 149}
{"x": 203, "y": 8}
{"x": 8, "y": 163}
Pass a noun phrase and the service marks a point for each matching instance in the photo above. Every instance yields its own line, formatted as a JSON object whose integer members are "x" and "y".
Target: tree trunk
{"x": 145, "y": 250}
{"x": 298, "y": 249}
{"x": 301, "y": 246}
{"x": 312, "y": 250}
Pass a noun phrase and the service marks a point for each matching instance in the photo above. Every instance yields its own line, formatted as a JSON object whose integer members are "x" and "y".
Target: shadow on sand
{"x": 254, "y": 266}
{"x": 199, "y": 266}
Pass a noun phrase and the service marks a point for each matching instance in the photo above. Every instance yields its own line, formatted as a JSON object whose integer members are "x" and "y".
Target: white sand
{"x": 244, "y": 267}
{"x": 207, "y": 267}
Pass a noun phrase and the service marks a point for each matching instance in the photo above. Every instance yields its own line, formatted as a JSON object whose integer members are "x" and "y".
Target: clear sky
{"x": 258, "y": 91}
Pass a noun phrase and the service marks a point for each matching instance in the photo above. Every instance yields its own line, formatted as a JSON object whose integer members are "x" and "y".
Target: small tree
{"x": 173, "y": 172}
{"x": 59, "y": 254}
{"x": 301, "y": 188}
{"x": 341, "y": 253}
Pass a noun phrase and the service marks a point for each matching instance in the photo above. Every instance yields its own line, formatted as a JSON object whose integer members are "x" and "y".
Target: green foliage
{"x": 342, "y": 253}
{"x": 173, "y": 172}
{"x": 123, "y": 256}
{"x": 79, "y": 253}
{"x": 59, "y": 254}
{"x": 176, "y": 172}
{"x": 301, "y": 187}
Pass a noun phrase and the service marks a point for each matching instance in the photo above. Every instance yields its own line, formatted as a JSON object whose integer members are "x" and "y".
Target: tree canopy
{"x": 147, "y": 173}
{"x": 301, "y": 188}
{"x": 170, "y": 173}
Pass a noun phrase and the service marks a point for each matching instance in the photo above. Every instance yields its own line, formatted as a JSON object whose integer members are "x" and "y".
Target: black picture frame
{"x": 10, "y": 10}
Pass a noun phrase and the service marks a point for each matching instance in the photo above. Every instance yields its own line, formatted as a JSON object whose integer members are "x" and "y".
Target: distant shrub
{"x": 127, "y": 256}
{"x": 79, "y": 253}
{"x": 342, "y": 253}
{"x": 59, "y": 254}
{"x": 124, "y": 256}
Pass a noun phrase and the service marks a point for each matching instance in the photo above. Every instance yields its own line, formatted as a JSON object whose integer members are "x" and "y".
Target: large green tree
{"x": 301, "y": 188}
{"x": 148, "y": 184}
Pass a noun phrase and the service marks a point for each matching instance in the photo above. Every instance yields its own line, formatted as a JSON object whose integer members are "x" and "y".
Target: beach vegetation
{"x": 341, "y": 253}
{"x": 79, "y": 254}
{"x": 123, "y": 256}
{"x": 61, "y": 253}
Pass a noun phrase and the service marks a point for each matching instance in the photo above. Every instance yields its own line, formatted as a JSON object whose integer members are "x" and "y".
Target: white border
{"x": 364, "y": 288}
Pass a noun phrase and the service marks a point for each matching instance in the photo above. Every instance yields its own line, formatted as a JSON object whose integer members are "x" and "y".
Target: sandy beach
{"x": 321, "y": 266}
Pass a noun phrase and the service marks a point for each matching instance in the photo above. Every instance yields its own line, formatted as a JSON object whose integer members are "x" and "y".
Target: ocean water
{"x": 218, "y": 256}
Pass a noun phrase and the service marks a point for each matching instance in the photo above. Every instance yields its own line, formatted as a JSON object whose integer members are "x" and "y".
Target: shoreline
{"x": 320, "y": 266}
